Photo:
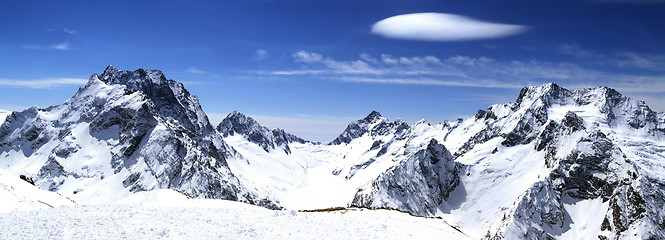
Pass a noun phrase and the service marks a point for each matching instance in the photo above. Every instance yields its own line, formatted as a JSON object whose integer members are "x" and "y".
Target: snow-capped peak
{"x": 132, "y": 130}
{"x": 112, "y": 75}
{"x": 373, "y": 124}
{"x": 238, "y": 123}
{"x": 373, "y": 117}
{"x": 549, "y": 93}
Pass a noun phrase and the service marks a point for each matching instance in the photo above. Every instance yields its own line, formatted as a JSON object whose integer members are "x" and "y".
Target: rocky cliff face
{"x": 127, "y": 131}
{"x": 238, "y": 123}
{"x": 374, "y": 125}
{"x": 590, "y": 156}
{"x": 553, "y": 164}
{"x": 417, "y": 185}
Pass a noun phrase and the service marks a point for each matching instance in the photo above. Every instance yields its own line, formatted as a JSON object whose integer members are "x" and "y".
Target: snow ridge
{"x": 374, "y": 124}
{"x": 125, "y": 131}
{"x": 238, "y": 123}
{"x": 418, "y": 185}
{"x": 553, "y": 164}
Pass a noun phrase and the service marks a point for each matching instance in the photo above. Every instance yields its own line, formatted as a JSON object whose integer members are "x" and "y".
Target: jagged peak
{"x": 237, "y": 115}
{"x": 602, "y": 93}
{"x": 110, "y": 69}
{"x": 134, "y": 78}
{"x": 546, "y": 92}
{"x": 238, "y": 118}
{"x": 373, "y": 117}
{"x": 237, "y": 122}
{"x": 374, "y": 124}
{"x": 246, "y": 126}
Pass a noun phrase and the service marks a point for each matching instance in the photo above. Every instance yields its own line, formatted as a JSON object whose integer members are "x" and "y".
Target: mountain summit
{"x": 553, "y": 164}
{"x": 125, "y": 131}
{"x": 238, "y": 123}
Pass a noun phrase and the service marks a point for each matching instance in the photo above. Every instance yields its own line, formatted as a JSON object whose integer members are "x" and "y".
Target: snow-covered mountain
{"x": 238, "y": 123}
{"x": 554, "y": 164}
{"x": 125, "y": 131}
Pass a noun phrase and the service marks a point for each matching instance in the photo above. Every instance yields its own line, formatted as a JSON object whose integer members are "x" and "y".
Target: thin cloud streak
{"x": 651, "y": 62}
{"x": 71, "y": 31}
{"x": 466, "y": 71}
{"x": 431, "y": 82}
{"x": 442, "y": 27}
{"x": 42, "y": 83}
{"x": 61, "y": 46}
{"x": 260, "y": 55}
{"x": 195, "y": 70}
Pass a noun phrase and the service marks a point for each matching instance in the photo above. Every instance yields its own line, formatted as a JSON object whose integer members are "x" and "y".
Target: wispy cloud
{"x": 432, "y": 82}
{"x": 195, "y": 70}
{"x": 260, "y": 54}
{"x": 42, "y": 83}
{"x": 576, "y": 51}
{"x": 465, "y": 71}
{"x": 71, "y": 31}
{"x": 442, "y": 27}
{"x": 651, "y": 62}
{"x": 60, "y": 46}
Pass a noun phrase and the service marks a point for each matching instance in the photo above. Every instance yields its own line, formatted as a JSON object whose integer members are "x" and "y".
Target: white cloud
{"x": 71, "y": 31}
{"x": 260, "y": 54}
{"x": 651, "y": 62}
{"x": 639, "y": 61}
{"x": 307, "y": 57}
{"x": 195, "y": 70}
{"x": 42, "y": 83}
{"x": 576, "y": 51}
{"x": 333, "y": 66}
{"x": 432, "y": 82}
{"x": 465, "y": 71}
{"x": 61, "y": 46}
{"x": 367, "y": 58}
{"x": 442, "y": 27}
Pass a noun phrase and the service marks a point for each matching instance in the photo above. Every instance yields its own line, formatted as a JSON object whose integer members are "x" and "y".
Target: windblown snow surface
{"x": 167, "y": 214}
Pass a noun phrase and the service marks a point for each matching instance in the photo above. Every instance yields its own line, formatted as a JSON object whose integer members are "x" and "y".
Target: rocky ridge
{"x": 518, "y": 170}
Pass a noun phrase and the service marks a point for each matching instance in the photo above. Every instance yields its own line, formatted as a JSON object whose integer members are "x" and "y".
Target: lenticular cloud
{"x": 441, "y": 27}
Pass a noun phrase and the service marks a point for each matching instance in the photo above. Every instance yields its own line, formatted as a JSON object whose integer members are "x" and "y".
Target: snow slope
{"x": 523, "y": 169}
{"x": 125, "y": 131}
{"x": 553, "y": 164}
{"x": 19, "y": 195}
{"x": 167, "y": 214}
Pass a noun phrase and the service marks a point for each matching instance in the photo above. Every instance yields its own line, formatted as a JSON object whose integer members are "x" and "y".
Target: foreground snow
{"x": 167, "y": 214}
{"x": 16, "y": 194}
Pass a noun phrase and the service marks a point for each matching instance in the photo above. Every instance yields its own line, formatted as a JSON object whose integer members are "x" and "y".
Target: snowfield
{"x": 16, "y": 194}
{"x": 166, "y": 214}
{"x": 553, "y": 164}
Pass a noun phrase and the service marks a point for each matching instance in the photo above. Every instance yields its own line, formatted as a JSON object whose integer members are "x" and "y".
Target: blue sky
{"x": 310, "y": 67}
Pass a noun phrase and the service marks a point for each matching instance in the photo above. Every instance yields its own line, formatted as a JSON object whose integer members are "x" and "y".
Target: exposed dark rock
{"x": 417, "y": 185}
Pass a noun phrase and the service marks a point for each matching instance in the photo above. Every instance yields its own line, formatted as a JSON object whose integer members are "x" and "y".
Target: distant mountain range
{"x": 554, "y": 164}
